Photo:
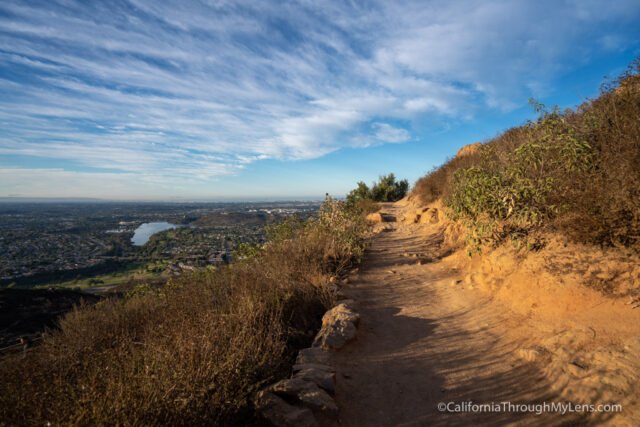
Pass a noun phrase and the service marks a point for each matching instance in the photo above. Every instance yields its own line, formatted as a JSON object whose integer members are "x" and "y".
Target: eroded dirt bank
{"x": 437, "y": 326}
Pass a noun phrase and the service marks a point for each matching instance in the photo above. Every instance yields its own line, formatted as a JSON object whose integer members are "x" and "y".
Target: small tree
{"x": 361, "y": 192}
{"x": 387, "y": 189}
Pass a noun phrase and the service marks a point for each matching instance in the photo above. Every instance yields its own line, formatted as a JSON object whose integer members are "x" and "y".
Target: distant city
{"x": 88, "y": 243}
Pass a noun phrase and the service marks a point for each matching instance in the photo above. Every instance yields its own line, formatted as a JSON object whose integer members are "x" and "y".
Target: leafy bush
{"x": 576, "y": 172}
{"x": 387, "y": 189}
{"x": 284, "y": 230}
{"x": 345, "y": 228}
{"x": 194, "y": 351}
{"x": 361, "y": 192}
{"x": 246, "y": 251}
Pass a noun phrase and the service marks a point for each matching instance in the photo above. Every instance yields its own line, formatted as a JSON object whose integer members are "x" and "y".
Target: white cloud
{"x": 194, "y": 90}
{"x": 387, "y": 133}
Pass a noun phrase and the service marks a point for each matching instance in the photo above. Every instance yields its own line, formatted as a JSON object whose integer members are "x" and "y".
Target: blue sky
{"x": 172, "y": 100}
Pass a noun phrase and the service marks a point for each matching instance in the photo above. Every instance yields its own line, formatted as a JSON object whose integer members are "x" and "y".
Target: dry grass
{"x": 193, "y": 352}
{"x": 367, "y": 206}
{"x": 438, "y": 183}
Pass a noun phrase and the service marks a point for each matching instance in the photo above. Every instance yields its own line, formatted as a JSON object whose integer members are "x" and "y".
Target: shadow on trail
{"x": 416, "y": 348}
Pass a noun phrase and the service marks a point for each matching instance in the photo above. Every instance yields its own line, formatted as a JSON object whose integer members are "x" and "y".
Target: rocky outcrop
{"x": 338, "y": 327}
{"x": 306, "y": 392}
{"x": 378, "y": 217}
{"x": 469, "y": 149}
{"x": 321, "y": 375}
{"x": 421, "y": 216}
{"x": 306, "y": 399}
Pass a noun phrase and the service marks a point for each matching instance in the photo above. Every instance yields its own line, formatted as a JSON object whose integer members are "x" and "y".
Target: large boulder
{"x": 338, "y": 327}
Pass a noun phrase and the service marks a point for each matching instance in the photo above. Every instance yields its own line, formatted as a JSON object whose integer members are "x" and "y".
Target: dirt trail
{"x": 422, "y": 341}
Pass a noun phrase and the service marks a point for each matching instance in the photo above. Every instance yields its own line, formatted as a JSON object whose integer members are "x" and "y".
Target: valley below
{"x": 55, "y": 255}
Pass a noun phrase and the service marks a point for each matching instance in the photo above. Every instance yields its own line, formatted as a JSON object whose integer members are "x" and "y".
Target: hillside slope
{"x": 572, "y": 172}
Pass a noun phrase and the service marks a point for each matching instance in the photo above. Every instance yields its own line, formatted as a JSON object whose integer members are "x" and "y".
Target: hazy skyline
{"x": 214, "y": 99}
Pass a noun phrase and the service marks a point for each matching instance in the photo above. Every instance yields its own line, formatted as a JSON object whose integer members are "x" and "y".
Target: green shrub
{"x": 284, "y": 230}
{"x": 246, "y": 251}
{"x": 387, "y": 189}
{"x": 576, "y": 172}
{"x": 361, "y": 192}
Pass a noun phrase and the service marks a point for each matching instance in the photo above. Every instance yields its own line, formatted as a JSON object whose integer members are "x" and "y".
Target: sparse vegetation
{"x": 575, "y": 172}
{"x": 193, "y": 351}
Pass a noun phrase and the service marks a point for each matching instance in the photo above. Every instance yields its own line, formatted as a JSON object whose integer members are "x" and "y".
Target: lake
{"x": 142, "y": 234}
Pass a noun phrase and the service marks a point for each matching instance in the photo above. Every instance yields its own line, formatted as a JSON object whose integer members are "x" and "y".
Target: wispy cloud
{"x": 184, "y": 90}
{"x": 387, "y": 133}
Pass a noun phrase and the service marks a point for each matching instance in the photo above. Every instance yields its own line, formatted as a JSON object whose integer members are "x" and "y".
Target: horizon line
{"x": 43, "y": 199}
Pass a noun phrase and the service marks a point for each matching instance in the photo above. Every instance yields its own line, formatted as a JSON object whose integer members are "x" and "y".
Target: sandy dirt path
{"x": 421, "y": 341}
